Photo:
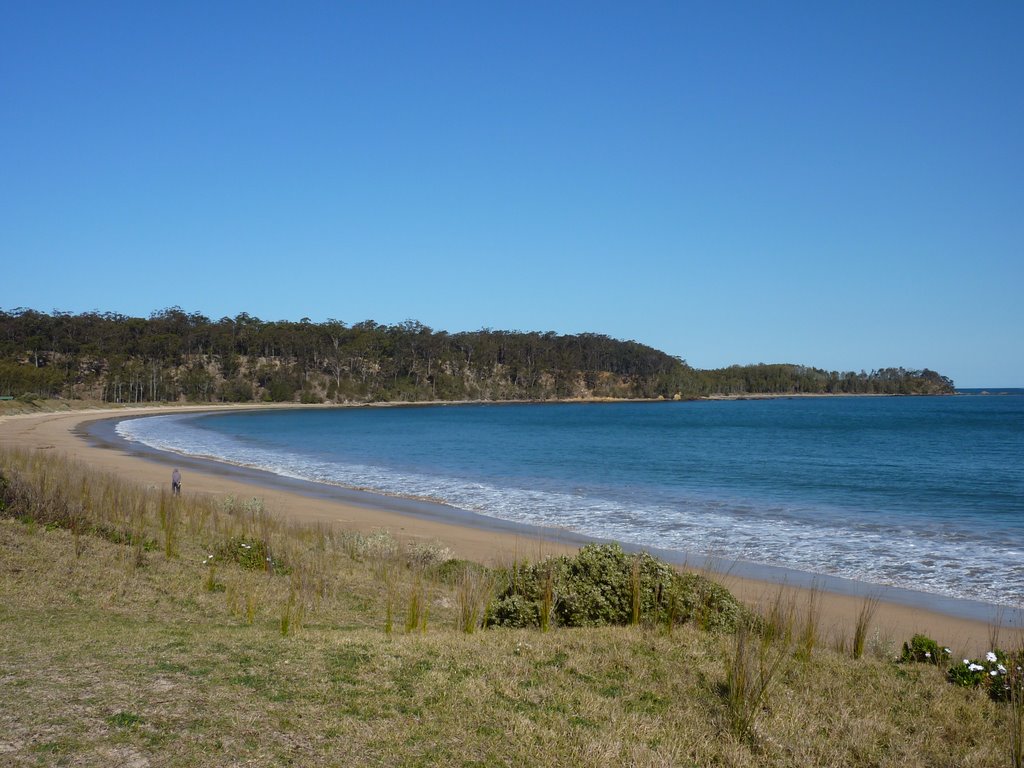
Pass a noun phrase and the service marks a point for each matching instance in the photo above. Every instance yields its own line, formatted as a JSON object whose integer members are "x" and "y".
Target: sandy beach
{"x": 62, "y": 432}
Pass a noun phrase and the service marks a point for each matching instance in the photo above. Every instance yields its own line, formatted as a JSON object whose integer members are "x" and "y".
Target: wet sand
{"x": 898, "y": 616}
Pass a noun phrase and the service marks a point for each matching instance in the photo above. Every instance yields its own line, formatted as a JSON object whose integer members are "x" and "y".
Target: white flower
{"x": 927, "y": 654}
{"x": 993, "y": 673}
{"x": 946, "y": 650}
{"x": 975, "y": 668}
{"x": 990, "y": 656}
{"x": 1002, "y": 669}
{"x": 967, "y": 661}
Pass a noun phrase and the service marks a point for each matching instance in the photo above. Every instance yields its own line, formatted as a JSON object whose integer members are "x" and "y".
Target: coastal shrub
{"x": 515, "y": 611}
{"x": 252, "y": 554}
{"x": 594, "y": 587}
{"x": 923, "y": 650}
{"x": 709, "y": 605}
{"x": 425, "y": 554}
{"x": 998, "y": 674}
{"x": 603, "y": 585}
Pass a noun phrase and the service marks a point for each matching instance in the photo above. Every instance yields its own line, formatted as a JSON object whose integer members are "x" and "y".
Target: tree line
{"x": 173, "y": 355}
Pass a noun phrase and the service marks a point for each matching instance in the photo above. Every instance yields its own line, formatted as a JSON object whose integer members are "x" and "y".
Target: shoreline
{"x": 102, "y": 432}
{"x": 87, "y": 436}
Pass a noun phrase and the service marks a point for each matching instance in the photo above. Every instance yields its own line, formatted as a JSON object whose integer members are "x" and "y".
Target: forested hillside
{"x": 173, "y": 355}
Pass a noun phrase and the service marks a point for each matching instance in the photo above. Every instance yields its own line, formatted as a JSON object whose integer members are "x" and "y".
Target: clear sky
{"x": 834, "y": 184}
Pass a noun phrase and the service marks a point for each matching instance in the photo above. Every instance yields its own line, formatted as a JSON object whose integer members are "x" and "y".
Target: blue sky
{"x": 834, "y": 184}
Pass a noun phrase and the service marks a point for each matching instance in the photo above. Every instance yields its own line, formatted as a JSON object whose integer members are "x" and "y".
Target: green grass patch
{"x": 125, "y": 720}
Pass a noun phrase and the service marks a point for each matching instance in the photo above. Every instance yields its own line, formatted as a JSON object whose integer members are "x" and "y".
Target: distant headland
{"x": 177, "y": 356}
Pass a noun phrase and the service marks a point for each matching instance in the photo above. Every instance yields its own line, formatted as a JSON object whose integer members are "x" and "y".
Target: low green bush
{"x": 513, "y": 611}
{"x": 997, "y": 673}
{"x": 252, "y": 554}
{"x": 923, "y": 650}
{"x": 604, "y": 585}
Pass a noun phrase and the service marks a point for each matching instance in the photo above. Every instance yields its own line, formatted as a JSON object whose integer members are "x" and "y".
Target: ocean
{"x": 921, "y": 493}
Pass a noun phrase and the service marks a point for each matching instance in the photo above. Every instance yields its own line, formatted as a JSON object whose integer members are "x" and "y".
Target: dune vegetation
{"x": 141, "y": 629}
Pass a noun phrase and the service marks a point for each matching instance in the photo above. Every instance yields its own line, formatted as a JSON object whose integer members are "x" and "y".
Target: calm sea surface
{"x": 924, "y": 493}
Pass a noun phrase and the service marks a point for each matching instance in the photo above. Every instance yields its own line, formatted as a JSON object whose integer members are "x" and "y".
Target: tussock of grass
{"x": 865, "y": 615}
{"x": 118, "y": 654}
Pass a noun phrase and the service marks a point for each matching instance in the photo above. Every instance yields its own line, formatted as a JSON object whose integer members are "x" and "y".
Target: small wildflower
{"x": 993, "y": 673}
{"x": 927, "y": 654}
{"x": 990, "y": 656}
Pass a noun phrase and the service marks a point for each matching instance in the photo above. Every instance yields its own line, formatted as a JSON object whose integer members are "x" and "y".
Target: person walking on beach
{"x": 176, "y": 482}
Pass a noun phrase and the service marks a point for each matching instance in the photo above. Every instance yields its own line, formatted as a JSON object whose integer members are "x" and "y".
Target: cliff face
{"x": 175, "y": 356}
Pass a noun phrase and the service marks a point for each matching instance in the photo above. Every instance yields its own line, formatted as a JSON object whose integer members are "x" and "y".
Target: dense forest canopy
{"x": 174, "y": 355}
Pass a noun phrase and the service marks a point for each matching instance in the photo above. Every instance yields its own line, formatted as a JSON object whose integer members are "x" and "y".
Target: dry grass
{"x": 1016, "y": 716}
{"x": 119, "y": 650}
{"x": 865, "y": 616}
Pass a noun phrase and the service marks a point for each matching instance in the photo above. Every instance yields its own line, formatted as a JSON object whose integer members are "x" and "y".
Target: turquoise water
{"x": 924, "y": 493}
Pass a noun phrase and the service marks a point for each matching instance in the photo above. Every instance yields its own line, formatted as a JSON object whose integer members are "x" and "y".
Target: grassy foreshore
{"x": 52, "y": 426}
{"x": 125, "y": 643}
